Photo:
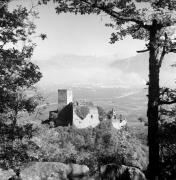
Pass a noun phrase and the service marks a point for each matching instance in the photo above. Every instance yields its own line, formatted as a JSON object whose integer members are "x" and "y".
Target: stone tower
{"x": 64, "y": 98}
{"x": 65, "y": 108}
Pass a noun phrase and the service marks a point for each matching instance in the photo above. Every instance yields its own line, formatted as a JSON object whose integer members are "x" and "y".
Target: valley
{"x": 132, "y": 103}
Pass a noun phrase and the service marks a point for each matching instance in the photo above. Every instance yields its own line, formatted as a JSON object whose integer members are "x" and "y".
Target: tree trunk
{"x": 152, "y": 113}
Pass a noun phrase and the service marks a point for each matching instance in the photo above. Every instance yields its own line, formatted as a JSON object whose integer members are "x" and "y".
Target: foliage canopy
{"x": 17, "y": 77}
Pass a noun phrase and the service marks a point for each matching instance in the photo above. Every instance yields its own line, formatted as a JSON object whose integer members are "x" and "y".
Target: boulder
{"x": 49, "y": 171}
{"x": 78, "y": 170}
{"x": 113, "y": 172}
{"x": 5, "y": 175}
{"x": 53, "y": 171}
{"x": 45, "y": 170}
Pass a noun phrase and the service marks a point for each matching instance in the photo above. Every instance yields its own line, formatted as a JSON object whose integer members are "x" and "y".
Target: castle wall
{"x": 65, "y": 116}
{"x": 91, "y": 120}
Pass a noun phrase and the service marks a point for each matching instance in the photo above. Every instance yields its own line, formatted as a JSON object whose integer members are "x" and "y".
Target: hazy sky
{"x": 84, "y": 36}
{"x": 81, "y": 35}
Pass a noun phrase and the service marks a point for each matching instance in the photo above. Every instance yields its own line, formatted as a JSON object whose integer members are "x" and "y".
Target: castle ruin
{"x": 67, "y": 114}
{"x": 80, "y": 115}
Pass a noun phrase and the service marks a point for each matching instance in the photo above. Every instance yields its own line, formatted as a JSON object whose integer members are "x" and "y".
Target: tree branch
{"x": 173, "y": 50}
{"x": 117, "y": 15}
{"x": 32, "y": 7}
{"x": 141, "y": 51}
{"x": 162, "y": 56}
{"x": 167, "y": 102}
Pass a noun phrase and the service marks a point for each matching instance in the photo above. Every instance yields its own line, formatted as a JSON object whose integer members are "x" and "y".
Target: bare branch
{"x": 141, "y": 51}
{"x": 33, "y": 7}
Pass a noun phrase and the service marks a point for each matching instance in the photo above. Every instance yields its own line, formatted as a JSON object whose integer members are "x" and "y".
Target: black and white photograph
{"x": 87, "y": 89}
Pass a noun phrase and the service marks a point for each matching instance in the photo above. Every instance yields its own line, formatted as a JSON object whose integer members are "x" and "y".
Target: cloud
{"x": 86, "y": 70}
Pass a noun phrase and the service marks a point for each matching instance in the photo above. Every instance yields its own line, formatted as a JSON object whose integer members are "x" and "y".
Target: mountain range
{"x": 91, "y": 71}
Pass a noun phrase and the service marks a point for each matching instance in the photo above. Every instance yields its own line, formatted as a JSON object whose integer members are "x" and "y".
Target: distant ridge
{"x": 139, "y": 65}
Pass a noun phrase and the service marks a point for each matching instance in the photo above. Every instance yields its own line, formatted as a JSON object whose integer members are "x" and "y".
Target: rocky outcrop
{"x": 61, "y": 171}
{"x": 53, "y": 171}
{"x": 77, "y": 170}
{"x": 113, "y": 172}
{"x": 5, "y": 175}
